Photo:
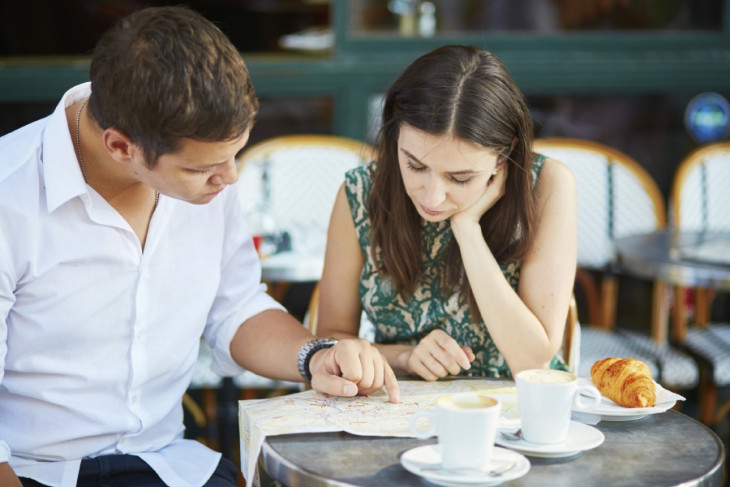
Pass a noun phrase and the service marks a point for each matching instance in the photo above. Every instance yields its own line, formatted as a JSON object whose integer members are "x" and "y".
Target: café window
{"x": 405, "y": 18}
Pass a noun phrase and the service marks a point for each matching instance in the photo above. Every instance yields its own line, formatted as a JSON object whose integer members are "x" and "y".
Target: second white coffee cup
{"x": 466, "y": 426}
{"x": 546, "y": 398}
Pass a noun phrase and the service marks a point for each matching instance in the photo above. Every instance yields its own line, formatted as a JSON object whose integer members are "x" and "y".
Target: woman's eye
{"x": 412, "y": 167}
{"x": 460, "y": 181}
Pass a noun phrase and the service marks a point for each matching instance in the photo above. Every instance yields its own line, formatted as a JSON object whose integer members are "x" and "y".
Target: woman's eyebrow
{"x": 410, "y": 155}
{"x": 458, "y": 173}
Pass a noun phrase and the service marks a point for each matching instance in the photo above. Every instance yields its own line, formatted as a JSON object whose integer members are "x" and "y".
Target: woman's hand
{"x": 438, "y": 355}
{"x": 494, "y": 191}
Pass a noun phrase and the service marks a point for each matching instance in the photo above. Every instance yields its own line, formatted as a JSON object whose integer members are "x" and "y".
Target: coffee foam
{"x": 467, "y": 401}
{"x": 547, "y": 376}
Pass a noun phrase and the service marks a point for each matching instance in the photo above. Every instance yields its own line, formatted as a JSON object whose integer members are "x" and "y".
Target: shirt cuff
{"x": 223, "y": 363}
{"x": 4, "y": 452}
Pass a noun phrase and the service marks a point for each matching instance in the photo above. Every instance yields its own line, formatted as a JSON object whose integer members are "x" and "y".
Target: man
{"x": 121, "y": 243}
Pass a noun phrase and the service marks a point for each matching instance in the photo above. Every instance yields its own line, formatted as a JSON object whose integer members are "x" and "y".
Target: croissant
{"x": 627, "y": 382}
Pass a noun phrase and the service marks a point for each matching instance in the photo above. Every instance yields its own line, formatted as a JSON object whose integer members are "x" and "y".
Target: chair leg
{"x": 659, "y": 312}
{"x": 679, "y": 315}
{"x": 703, "y": 303}
{"x": 722, "y": 412}
{"x": 609, "y": 290}
{"x": 590, "y": 290}
{"x": 708, "y": 399}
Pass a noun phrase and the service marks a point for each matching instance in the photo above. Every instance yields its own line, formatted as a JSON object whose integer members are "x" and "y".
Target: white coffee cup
{"x": 466, "y": 426}
{"x": 546, "y": 398}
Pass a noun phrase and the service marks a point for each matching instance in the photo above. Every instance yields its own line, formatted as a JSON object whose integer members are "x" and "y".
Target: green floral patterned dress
{"x": 407, "y": 321}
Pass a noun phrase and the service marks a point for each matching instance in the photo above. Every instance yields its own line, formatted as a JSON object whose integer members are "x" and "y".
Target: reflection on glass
{"x": 454, "y": 17}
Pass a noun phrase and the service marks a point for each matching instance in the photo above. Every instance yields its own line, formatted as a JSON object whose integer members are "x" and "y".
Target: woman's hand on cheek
{"x": 494, "y": 191}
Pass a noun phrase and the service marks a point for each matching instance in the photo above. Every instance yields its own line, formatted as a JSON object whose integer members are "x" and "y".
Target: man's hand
{"x": 438, "y": 355}
{"x": 353, "y": 367}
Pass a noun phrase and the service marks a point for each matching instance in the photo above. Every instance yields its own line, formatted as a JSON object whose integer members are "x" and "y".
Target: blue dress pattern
{"x": 406, "y": 321}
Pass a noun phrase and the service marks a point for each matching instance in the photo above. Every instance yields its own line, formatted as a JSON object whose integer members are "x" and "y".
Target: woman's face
{"x": 442, "y": 174}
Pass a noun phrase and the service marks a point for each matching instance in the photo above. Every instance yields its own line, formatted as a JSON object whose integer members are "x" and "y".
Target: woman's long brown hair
{"x": 465, "y": 92}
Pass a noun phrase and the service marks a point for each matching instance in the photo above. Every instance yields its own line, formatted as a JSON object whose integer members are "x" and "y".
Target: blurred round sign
{"x": 706, "y": 117}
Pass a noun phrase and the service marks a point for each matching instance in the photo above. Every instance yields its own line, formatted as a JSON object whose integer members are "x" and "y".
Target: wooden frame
{"x": 703, "y": 296}
{"x": 260, "y": 150}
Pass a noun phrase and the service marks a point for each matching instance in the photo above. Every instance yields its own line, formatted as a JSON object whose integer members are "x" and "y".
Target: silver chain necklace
{"x": 81, "y": 159}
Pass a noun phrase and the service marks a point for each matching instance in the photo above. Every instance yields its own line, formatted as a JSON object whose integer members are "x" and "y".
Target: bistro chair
{"x": 289, "y": 183}
{"x": 616, "y": 198}
{"x": 293, "y": 180}
{"x": 700, "y": 202}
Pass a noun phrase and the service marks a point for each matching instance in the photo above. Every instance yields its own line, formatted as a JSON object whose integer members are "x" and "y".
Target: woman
{"x": 458, "y": 241}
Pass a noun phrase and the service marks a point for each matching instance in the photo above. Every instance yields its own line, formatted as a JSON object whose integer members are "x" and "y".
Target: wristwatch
{"x": 306, "y": 352}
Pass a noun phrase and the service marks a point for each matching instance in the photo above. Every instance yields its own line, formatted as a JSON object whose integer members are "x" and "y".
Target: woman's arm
{"x": 339, "y": 296}
{"x": 436, "y": 355}
{"x": 527, "y": 326}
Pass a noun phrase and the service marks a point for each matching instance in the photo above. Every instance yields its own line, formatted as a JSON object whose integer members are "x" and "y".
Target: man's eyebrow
{"x": 210, "y": 166}
{"x": 460, "y": 173}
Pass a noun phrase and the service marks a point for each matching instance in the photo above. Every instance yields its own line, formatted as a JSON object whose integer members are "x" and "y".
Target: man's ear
{"x": 118, "y": 145}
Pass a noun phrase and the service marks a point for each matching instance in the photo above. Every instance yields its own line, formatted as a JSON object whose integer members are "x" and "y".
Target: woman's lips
{"x": 430, "y": 212}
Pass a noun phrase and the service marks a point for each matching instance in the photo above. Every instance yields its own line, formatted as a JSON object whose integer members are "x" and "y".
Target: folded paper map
{"x": 313, "y": 412}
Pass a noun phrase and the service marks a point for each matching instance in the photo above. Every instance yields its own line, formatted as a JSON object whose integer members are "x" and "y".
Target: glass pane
{"x": 285, "y": 115}
{"x": 56, "y": 27}
{"x": 454, "y": 17}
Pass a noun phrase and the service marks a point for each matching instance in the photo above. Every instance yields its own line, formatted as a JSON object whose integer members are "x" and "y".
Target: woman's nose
{"x": 435, "y": 192}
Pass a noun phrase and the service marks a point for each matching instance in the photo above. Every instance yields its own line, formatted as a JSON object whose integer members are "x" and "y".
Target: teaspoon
{"x": 512, "y": 436}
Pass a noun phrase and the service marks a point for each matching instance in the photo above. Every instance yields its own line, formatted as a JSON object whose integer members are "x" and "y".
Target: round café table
{"x": 666, "y": 258}
{"x": 292, "y": 267}
{"x": 666, "y": 255}
{"x": 665, "y": 449}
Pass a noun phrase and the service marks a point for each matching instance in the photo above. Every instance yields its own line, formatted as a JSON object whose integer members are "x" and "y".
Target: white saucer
{"x": 610, "y": 411}
{"x": 417, "y": 459}
{"x": 581, "y": 437}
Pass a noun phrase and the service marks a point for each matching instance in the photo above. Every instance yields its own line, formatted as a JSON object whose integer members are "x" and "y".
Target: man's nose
{"x": 227, "y": 174}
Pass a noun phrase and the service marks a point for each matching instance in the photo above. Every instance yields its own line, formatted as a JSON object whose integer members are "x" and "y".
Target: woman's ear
{"x": 502, "y": 160}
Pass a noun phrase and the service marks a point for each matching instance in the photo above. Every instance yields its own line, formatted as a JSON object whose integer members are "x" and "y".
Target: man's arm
{"x": 8, "y": 477}
{"x": 269, "y": 343}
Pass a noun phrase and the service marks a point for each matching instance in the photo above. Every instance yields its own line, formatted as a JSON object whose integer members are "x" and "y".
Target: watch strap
{"x": 307, "y": 351}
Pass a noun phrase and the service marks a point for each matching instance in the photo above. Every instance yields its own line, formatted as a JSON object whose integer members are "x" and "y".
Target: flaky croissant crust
{"x": 627, "y": 382}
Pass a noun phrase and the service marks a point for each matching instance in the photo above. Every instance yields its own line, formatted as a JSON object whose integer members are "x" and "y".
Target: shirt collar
{"x": 61, "y": 171}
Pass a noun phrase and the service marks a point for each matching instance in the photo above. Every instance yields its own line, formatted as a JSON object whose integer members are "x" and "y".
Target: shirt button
{"x": 134, "y": 399}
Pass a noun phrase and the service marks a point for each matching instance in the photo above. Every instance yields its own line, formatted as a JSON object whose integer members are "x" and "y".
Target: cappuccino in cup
{"x": 546, "y": 398}
{"x": 466, "y": 426}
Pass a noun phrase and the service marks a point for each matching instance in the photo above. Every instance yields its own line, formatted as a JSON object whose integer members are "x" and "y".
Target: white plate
{"x": 581, "y": 437}
{"x": 417, "y": 459}
{"x": 610, "y": 411}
